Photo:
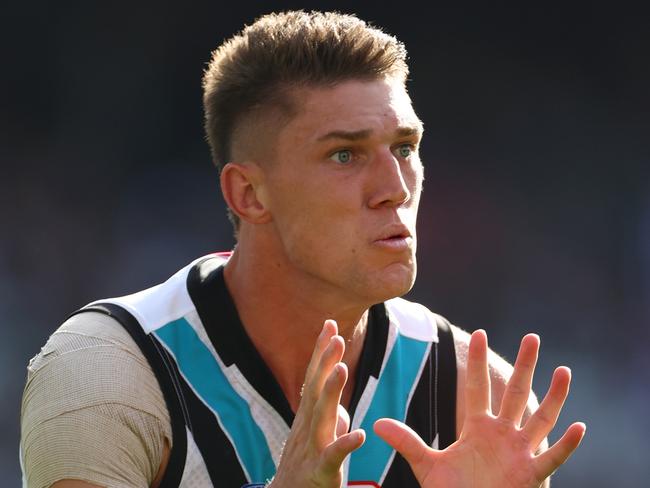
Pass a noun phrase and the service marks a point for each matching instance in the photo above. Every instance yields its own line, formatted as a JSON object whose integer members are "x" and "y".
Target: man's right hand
{"x": 319, "y": 440}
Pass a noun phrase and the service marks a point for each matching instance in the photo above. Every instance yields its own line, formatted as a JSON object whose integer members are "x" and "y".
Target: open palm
{"x": 493, "y": 451}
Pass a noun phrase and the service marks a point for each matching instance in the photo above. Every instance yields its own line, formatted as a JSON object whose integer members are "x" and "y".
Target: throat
{"x": 290, "y": 367}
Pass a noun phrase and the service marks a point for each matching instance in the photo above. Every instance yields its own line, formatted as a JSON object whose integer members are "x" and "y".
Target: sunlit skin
{"x": 327, "y": 222}
{"x": 347, "y": 176}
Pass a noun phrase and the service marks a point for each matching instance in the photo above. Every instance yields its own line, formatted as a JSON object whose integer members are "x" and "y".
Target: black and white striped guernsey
{"x": 229, "y": 415}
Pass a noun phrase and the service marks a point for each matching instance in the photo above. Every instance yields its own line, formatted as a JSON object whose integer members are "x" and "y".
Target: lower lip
{"x": 395, "y": 243}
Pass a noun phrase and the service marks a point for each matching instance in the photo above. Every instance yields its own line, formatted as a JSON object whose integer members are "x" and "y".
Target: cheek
{"x": 415, "y": 180}
{"x": 316, "y": 213}
{"x": 417, "y": 172}
{"x": 306, "y": 223}
{"x": 325, "y": 236}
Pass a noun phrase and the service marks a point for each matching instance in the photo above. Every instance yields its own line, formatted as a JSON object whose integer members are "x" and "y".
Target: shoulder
{"x": 91, "y": 359}
{"x": 88, "y": 337}
{"x": 500, "y": 369}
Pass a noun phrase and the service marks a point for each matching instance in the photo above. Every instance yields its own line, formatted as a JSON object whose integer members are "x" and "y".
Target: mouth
{"x": 396, "y": 231}
{"x": 395, "y": 237}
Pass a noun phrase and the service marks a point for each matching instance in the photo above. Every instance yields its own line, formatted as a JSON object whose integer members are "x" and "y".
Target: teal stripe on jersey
{"x": 202, "y": 371}
{"x": 396, "y": 382}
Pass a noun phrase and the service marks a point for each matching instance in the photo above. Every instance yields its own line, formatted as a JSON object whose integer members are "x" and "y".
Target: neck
{"x": 285, "y": 323}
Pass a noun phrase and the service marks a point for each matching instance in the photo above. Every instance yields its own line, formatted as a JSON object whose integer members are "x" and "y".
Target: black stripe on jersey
{"x": 447, "y": 372}
{"x": 216, "y": 449}
{"x": 372, "y": 354}
{"x": 165, "y": 371}
{"x": 433, "y": 406}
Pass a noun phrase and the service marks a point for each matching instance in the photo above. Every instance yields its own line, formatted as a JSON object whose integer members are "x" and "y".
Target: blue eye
{"x": 344, "y": 156}
{"x": 405, "y": 150}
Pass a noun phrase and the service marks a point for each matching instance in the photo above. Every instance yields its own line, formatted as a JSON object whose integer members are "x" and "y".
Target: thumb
{"x": 403, "y": 439}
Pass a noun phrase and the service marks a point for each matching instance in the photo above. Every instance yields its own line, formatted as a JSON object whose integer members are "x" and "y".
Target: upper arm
{"x": 92, "y": 413}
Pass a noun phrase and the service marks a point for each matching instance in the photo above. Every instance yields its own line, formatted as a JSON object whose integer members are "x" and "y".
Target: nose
{"x": 390, "y": 181}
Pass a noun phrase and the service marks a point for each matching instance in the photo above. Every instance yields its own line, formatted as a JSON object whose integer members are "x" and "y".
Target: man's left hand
{"x": 493, "y": 451}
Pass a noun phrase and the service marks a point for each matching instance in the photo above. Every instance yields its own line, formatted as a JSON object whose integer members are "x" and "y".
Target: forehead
{"x": 378, "y": 107}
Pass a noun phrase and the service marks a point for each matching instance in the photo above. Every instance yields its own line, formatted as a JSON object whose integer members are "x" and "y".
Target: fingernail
{"x": 536, "y": 336}
{"x": 333, "y": 322}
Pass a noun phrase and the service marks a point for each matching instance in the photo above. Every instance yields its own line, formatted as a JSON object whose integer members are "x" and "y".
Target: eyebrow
{"x": 365, "y": 133}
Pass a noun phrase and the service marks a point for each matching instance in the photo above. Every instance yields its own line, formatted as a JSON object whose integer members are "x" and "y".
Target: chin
{"x": 393, "y": 284}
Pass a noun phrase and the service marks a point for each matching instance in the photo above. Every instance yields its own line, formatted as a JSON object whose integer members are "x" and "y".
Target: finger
{"x": 335, "y": 453}
{"x": 539, "y": 424}
{"x": 329, "y": 330}
{"x": 332, "y": 354}
{"x": 551, "y": 459}
{"x": 343, "y": 421}
{"x": 325, "y": 415}
{"x": 404, "y": 440}
{"x": 517, "y": 393}
{"x": 477, "y": 385}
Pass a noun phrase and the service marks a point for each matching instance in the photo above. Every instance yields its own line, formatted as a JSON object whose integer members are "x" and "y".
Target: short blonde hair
{"x": 255, "y": 69}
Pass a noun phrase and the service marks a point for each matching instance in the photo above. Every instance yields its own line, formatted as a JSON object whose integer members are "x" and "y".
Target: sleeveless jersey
{"x": 229, "y": 415}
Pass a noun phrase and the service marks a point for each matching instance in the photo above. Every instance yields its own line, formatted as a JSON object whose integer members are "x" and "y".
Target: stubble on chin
{"x": 392, "y": 283}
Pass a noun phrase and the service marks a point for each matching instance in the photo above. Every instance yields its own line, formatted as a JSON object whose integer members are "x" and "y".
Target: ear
{"x": 241, "y": 185}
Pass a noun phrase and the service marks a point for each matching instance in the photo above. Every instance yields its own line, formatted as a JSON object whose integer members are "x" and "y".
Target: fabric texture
{"x": 92, "y": 409}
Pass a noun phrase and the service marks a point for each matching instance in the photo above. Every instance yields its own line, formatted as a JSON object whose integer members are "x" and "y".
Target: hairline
{"x": 286, "y": 107}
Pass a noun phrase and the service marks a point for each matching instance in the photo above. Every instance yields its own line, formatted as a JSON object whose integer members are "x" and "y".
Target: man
{"x": 289, "y": 361}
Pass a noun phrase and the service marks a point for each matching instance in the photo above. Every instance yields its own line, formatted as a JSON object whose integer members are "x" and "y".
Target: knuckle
{"x": 518, "y": 389}
{"x": 543, "y": 418}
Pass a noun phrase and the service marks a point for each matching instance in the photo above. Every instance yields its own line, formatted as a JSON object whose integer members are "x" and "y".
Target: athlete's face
{"x": 345, "y": 185}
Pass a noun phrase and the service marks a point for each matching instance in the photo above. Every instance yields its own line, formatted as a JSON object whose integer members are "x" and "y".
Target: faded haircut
{"x": 255, "y": 70}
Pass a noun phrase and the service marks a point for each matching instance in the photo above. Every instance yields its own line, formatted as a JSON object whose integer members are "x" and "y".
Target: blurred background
{"x": 535, "y": 215}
